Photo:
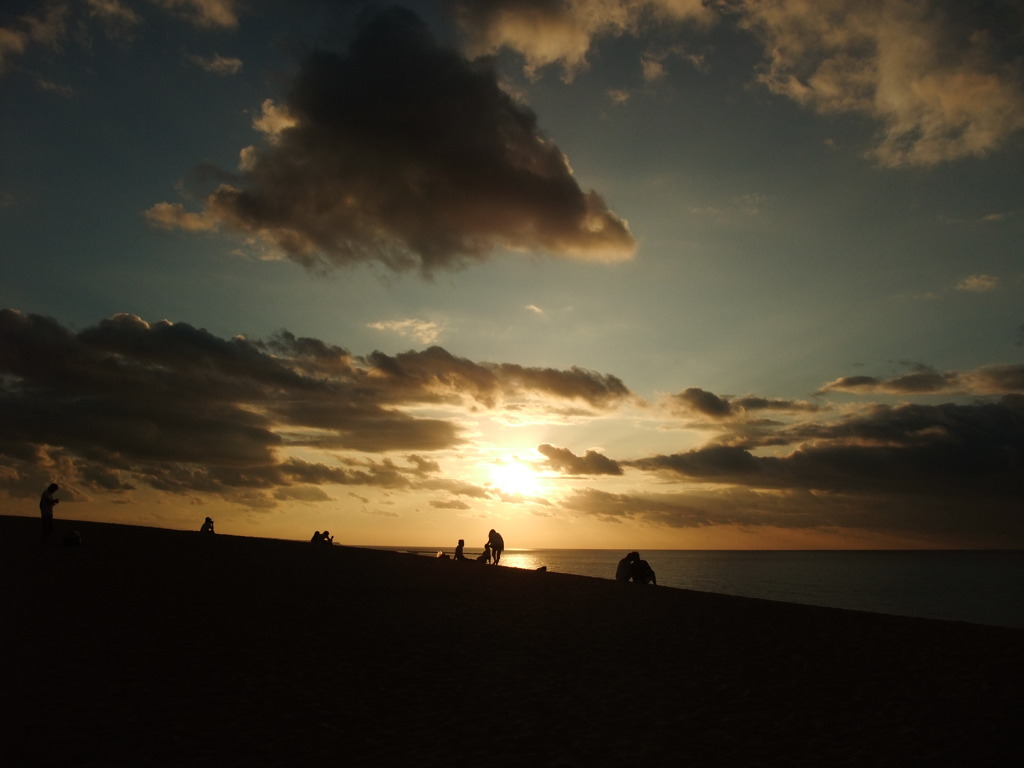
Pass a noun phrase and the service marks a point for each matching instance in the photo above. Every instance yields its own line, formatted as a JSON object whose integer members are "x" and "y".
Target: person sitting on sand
{"x": 485, "y": 556}
{"x": 317, "y": 537}
{"x": 622, "y": 570}
{"x": 207, "y": 526}
{"x": 497, "y": 545}
{"x": 326, "y": 538}
{"x": 642, "y": 572}
{"x": 458, "y": 550}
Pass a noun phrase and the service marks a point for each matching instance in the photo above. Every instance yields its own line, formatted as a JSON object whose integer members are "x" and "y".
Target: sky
{"x": 625, "y": 274}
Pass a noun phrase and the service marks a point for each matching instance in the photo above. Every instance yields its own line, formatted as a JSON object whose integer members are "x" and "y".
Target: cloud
{"x": 437, "y": 373}
{"x": 565, "y": 461}
{"x": 423, "y": 331}
{"x": 944, "y": 81}
{"x": 563, "y": 31}
{"x": 987, "y": 380}
{"x": 118, "y": 19}
{"x": 697, "y": 400}
{"x": 978, "y": 284}
{"x": 971, "y": 452}
{"x": 205, "y": 13}
{"x": 403, "y": 153}
{"x": 217, "y": 64}
{"x": 127, "y": 403}
{"x": 47, "y": 29}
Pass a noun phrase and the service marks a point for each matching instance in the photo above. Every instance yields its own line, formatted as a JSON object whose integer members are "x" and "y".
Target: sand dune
{"x": 151, "y": 647}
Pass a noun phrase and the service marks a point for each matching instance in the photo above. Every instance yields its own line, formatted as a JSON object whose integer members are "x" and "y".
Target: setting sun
{"x": 515, "y": 476}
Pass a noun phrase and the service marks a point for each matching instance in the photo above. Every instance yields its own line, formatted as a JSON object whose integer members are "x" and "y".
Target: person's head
{"x": 52, "y": 487}
{"x": 462, "y": 543}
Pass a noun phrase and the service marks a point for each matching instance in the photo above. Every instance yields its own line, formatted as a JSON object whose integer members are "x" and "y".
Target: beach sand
{"x": 152, "y": 647}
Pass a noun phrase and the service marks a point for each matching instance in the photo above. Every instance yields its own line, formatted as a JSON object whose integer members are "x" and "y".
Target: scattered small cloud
{"x": 618, "y": 95}
{"x": 978, "y": 284}
{"x": 423, "y": 331}
{"x": 217, "y": 64}
{"x": 205, "y": 13}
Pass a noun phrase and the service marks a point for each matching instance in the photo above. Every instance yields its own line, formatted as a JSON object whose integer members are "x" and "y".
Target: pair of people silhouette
{"x": 492, "y": 549}
{"x": 632, "y": 568}
{"x": 322, "y": 538}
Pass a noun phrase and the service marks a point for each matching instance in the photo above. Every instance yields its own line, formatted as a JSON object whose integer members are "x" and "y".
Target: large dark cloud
{"x": 405, "y": 153}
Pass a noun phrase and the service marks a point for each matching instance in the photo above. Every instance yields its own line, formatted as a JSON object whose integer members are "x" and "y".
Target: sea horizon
{"x": 981, "y": 586}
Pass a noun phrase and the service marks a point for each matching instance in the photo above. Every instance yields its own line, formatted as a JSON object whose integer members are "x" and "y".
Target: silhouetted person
{"x": 622, "y": 570}
{"x": 207, "y": 526}
{"x": 497, "y": 545}
{"x": 46, "y": 505}
{"x": 327, "y": 538}
{"x": 643, "y": 573}
{"x": 485, "y": 556}
{"x": 458, "y": 550}
{"x": 317, "y": 537}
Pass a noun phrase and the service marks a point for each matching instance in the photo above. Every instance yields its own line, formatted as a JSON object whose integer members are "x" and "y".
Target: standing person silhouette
{"x": 497, "y": 545}
{"x": 46, "y": 505}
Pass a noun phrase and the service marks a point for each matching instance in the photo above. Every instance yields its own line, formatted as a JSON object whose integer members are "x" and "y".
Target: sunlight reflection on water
{"x": 531, "y": 561}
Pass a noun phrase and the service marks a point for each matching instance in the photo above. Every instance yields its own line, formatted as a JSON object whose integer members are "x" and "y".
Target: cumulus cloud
{"x": 127, "y": 403}
{"x": 403, "y": 153}
{"x": 945, "y": 81}
{"x": 565, "y": 461}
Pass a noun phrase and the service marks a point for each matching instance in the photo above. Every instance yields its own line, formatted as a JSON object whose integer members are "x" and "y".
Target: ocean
{"x": 981, "y": 587}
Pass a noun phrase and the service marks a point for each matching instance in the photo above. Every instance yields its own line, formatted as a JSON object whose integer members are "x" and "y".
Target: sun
{"x": 515, "y": 476}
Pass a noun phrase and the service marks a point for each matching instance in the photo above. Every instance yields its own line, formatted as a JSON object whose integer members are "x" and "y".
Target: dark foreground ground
{"x": 151, "y": 647}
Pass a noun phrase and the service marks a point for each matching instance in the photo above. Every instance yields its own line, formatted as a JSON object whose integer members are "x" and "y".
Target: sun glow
{"x": 515, "y": 476}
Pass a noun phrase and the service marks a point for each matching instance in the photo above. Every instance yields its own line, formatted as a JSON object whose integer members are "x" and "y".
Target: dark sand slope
{"x": 152, "y": 647}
